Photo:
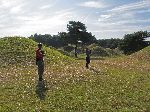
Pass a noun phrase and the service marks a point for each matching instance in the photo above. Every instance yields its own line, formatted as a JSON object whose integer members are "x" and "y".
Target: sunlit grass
{"x": 118, "y": 84}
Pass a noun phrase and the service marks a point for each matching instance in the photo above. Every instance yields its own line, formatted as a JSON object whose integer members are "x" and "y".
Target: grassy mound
{"x": 111, "y": 85}
{"x": 142, "y": 55}
{"x": 22, "y": 50}
{"x": 129, "y": 81}
{"x": 19, "y": 86}
{"x": 103, "y": 52}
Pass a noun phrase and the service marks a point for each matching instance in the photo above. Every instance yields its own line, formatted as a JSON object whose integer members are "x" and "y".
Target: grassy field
{"x": 110, "y": 85}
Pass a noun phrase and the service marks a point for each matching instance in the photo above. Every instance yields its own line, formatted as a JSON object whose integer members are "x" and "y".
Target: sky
{"x": 103, "y": 18}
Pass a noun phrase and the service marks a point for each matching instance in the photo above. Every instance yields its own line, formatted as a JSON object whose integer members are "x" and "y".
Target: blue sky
{"x": 104, "y": 18}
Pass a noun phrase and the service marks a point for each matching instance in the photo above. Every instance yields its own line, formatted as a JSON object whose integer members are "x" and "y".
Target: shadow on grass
{"x": 41, "y": 89}
{"x": 95, "y": 71}
{"x": 98, "y": 58}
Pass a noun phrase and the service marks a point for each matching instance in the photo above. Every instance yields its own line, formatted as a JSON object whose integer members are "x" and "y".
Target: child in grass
{"x": 40, "y": 61}
{"x": 88, "y": 52}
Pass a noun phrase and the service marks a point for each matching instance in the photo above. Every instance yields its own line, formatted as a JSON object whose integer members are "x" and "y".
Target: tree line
{"x": 77, "y": 33}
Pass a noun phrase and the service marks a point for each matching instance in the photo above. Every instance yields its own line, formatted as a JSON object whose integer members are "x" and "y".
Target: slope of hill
{"x": 138, "y": 61}
{"x": 19, "y": 86}
{"x": 22, "y": 50}
{"x": 129, "y": 80}
{"x": 111, "y": 85}
{"x": 142, "y": 55}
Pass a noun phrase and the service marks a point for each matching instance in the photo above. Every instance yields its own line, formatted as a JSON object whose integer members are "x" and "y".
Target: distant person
{"x": 40, "y": 61}
{"x": 88, "y": 53}
{"x": 76, "y": 52}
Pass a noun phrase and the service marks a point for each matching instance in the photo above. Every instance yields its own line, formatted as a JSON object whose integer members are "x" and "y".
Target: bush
{"x": 68, "y": 48}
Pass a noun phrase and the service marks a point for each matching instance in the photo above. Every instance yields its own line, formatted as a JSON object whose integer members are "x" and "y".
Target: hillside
{"x": 138, "y": 61}
{"x": 111, "y": 85}
{"x": 19, "y": 53}
{"x": 142, "y": 55}
{"x": 128, "y": 80}
{"x": 22, "y": 50}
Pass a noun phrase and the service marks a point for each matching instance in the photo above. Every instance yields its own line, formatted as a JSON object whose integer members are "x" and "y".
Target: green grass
{"x": 110, "y": 85}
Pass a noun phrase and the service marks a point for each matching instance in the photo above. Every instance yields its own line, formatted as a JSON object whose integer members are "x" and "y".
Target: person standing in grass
{"x": 40, "y": 61}
{"x": 88, "y": 53}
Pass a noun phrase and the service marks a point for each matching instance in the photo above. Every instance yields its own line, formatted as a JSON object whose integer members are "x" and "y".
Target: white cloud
{"x": 125, "y": 13}
{"x": 51, "y": 4}
{"x": 122, "y": 20}
{"x": 122, "y": 29}
{"x": 116, "y": 31}
{"x": 26, "y": 17}
{"x": 45, "y": 6}
{"x": 38, "y": 23}
{"x": 16, "y": 9}
{"x": 131, "y": 6}
{"x": 21, "y": 18}
{"x": 93, "y": 4}
{"x": 104, "y": 17}
{"x": 133, "y": 21}
{"x": 10, "y": 3}
{"x": 64, "y": 11}
{"x": 5, "y": 3}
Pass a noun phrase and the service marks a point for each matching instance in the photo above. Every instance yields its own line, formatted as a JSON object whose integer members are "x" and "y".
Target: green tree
{"x": 54, "y": 41}
{"x": 77, "y": 32}
{"x": 64, "y": 37}
{"x": 134, "y": 42}
{"x": 109, "y": 43}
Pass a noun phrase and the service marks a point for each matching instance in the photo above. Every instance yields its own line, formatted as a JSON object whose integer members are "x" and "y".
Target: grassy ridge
{"x": 118, "y": 84}
{"x": 19, "y": 49}
{"x": 19, "y": 87}
{"x": 130, "y": 80}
